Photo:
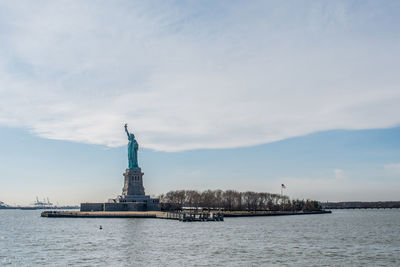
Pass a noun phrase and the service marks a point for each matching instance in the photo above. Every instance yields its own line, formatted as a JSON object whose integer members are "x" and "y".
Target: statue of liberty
{"x": 133, "y": 147}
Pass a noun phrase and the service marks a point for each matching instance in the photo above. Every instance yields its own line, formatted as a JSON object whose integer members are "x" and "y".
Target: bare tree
{"x": 235, "y": 201}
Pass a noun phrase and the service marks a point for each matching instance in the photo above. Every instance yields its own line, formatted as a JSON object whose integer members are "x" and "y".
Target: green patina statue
{"x": 133, "y": 147}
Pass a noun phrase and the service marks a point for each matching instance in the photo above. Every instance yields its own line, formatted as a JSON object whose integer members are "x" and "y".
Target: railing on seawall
{"x": 192, "y": 216}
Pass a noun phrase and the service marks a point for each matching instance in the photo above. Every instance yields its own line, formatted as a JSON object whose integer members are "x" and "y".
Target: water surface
{"x": 343, "y": 238}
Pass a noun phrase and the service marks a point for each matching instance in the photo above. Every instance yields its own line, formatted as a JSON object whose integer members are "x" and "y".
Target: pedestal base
{"x": 133, "y": 183}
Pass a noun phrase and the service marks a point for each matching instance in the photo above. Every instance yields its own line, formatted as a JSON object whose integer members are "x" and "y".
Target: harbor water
{"x": 343, "y": 238}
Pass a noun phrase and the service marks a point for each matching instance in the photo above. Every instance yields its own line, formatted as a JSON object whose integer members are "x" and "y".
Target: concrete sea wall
{"x": 160, "y": 214}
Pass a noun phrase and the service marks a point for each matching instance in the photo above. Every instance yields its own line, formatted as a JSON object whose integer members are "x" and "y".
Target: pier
{"x": 180, "y": 216}
{"x": 193, "y": 217}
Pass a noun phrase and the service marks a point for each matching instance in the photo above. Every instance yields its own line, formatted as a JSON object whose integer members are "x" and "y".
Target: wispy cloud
{"x": 197, "y": 76}
{"x": 392, "y": 169}
{"x": 339, "y": 174}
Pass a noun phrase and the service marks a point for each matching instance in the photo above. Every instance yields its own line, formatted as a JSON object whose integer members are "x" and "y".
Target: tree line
{"x": 232, "y": 200}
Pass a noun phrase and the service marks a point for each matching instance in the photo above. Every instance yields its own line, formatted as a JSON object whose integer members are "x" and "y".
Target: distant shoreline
{"x": 361, "y": 205}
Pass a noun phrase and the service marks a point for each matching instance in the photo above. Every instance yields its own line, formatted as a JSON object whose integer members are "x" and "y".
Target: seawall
{"x": 160, "y": 214}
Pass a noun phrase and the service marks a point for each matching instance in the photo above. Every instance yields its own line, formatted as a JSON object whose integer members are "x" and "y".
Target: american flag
{"x": 283, "y": 186}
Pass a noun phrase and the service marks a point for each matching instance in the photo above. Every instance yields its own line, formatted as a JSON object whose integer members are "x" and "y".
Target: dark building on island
{"x": 133, "y": 197}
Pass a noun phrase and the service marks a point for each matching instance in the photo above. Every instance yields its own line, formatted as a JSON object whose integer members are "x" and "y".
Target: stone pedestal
{"x": 133, "y": 196}
{"x": 133, "y": 185}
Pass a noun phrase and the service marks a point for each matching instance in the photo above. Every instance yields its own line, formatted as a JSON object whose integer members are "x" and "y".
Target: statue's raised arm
{"x": 126, "y": 130}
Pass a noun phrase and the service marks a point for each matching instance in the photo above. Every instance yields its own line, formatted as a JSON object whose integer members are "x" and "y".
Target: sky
{"x": 220, "y": 94}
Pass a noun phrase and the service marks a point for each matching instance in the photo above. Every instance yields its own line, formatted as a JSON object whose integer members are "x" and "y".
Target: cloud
{"x": 197, "y": 76}
{"x": 393, "y": 169}
{"x": 339, "y": 174}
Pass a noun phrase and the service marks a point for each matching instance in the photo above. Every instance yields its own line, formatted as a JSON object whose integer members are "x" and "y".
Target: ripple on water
{"x": 343, "y": 238}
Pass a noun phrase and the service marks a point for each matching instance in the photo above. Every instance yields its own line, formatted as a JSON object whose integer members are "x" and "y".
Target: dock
{"x": 193, "y": 217}
{"x": 180, "y": 216}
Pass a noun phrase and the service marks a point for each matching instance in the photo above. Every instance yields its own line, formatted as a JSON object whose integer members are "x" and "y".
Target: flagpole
{"x": 281, "y": 197}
